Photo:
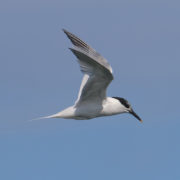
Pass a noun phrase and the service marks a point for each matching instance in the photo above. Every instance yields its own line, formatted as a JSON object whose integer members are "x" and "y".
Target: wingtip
{"x": 68, "y": 34}
{"x": 64, "y": 30}
{"x": 71, "y": 49}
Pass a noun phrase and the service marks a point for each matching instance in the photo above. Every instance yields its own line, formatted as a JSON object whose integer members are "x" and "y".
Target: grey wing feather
{"x": 98, "y": 72}
{"x": 88, "y": 64}
{"x": 87, "y": 49}
{"x": 96, "y": 78}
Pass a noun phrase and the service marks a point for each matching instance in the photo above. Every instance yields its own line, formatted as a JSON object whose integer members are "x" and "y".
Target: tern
{"x": 92, "y": 101}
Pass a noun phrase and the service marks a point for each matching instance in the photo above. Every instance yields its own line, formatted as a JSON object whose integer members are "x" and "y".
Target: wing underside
{"x": 96, "y": 69}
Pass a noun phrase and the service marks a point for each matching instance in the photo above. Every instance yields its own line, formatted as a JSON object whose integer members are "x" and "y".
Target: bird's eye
{"x": 126, "y": 104}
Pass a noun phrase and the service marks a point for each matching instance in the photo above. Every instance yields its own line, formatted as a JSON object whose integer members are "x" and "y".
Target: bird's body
{"x": 90, "y": 109}
{"x": 92, "y": 101}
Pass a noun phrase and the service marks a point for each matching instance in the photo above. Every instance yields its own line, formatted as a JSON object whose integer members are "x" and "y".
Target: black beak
{"x": 135, "y": 115}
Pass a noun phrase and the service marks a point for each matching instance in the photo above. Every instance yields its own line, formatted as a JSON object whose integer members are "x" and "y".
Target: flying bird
{"x": 92, "y": 101}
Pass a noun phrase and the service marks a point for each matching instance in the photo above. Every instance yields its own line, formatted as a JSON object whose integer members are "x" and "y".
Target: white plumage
{"x": 92, "y": 101}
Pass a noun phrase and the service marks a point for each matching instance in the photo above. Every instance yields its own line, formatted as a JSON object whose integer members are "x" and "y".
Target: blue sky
{"x": 40, "y": 76}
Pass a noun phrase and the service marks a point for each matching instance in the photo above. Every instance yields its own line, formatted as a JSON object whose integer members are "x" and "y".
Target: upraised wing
{"x": 96, "y": 69}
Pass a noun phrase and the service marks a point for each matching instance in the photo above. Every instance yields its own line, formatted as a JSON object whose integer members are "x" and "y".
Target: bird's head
{"x": 127, "y": 107}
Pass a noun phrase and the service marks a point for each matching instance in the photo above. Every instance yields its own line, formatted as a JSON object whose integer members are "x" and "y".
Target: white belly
{"x": 88, "y": 111}
{"x": 82, "y": 112}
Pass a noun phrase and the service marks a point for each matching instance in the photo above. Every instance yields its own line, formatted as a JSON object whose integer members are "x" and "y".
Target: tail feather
{"x": 45, "y": 117}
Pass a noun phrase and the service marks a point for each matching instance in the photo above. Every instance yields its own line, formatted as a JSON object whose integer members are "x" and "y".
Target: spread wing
{"x": 96, "y": 69}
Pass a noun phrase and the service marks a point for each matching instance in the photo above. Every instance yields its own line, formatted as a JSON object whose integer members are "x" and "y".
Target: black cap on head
{"x": 123, "y": 101}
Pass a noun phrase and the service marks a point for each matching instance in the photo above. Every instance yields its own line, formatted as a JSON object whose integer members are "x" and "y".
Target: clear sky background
{"x": 39, "y": 76}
